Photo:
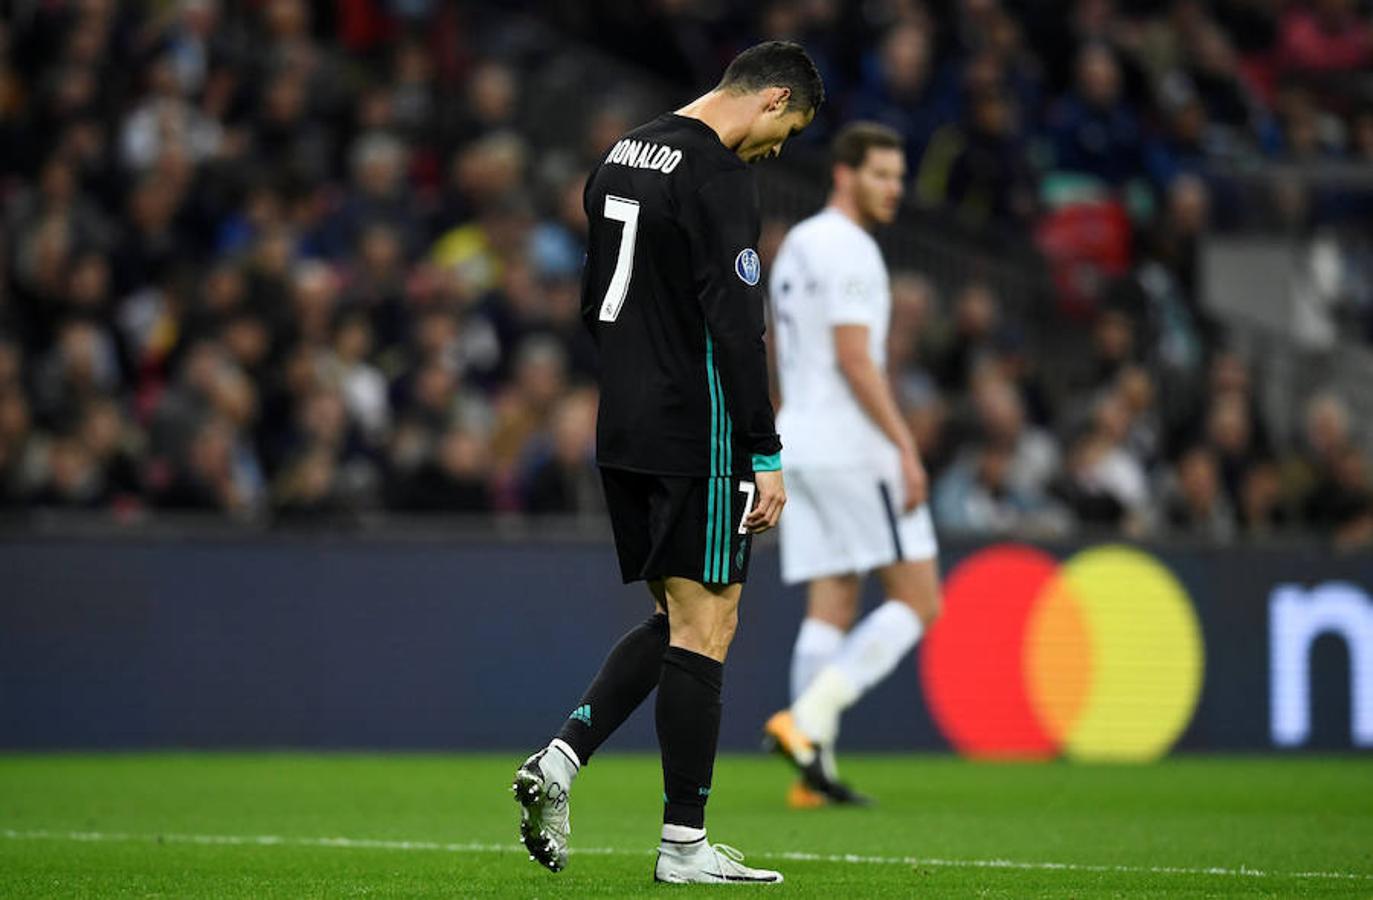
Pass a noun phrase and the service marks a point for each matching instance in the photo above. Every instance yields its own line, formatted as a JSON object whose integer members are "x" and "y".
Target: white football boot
{"x": 541, "y": 788}
{"x": 700, "y": 862}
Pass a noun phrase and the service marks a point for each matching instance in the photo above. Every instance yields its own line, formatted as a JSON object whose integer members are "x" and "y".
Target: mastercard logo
{"x": 1098, "y": 657}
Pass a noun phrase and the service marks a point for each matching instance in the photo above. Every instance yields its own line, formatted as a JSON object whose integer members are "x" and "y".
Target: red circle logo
{"x": 1098, "y": 657}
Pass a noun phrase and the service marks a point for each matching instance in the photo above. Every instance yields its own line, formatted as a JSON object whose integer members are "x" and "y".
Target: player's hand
{"x": 768, "y": 502}
{"x": 915, "y": 480}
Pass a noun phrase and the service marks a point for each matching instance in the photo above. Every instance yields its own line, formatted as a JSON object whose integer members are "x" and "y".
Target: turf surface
{"x": 287, "y": 825}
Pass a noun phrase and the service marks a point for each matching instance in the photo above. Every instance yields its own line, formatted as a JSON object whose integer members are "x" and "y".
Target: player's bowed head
{"x": 769, "y": 93}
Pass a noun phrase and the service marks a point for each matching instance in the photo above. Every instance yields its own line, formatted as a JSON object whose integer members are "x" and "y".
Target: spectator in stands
{"x": 1195, "y": 506}
{"x": 1213, "y": 71}
{"x": 515, "y": 309}
{"x": 432, "y": 397}
{"x": 74, "y": 479}
{"x": 247, "y": 339}
{"x": 375, "y": 285}
{"x": 562, "y": 477}
{"x": 309, "y": 488}
{"x": 165, "y": 122}
{"x": 976, "y": 496}
{"x": 970, "y": 341}
{"x": 524, "y": 408}
{"x": 322, "y": 424}
{"x": 1032, "y": 458}
{"x": 564, "y": 323}
{"x": 88, "y": 287}
{"x": 1182, "y": 147}
{"x": 1307, "y": 131}
{"x": 1092, "y": 505}
{"x": 1324, "y": 36}
{"x": 485, "y": 174}
{"x": 53, "y": 208}
{"x": 1230, "y": 375}
{"x": 1094, "y": 132}
{"x": 380, "y": 197}
{"x": 1103, "y": 483}
{"x": 151, "y": 242}
{"x": 898, "y": 88}
{"x": 1347, "y": 509}
{"x": 11, "y": 362}
{"x": 914, "y": 323}
{"x": 1362, "y": 131}
{"x": 1358, "y": 201}
{"x": 364, "y": 388}
{"x": 1331, "y": 476}
{"x": 1022, "y": 75}
{"x": 412, "y": 94}
{"x": 216, "y": 472}
{"x": 1230, "y": 438}
{"x": 491, "y": 103}
{"x": 114, "y": 445}
{"x": 1325, "y": 435}
{"x": 82, "y": 365}
{"x": 968, "y": 496}
{"x": 473, "y": 254}
{"x": 1262, "y": 511}
{"x": 558, "y": 243}
{"x": 977, "y": 170}
{"x": 456, "y": 479}
{"x": 1113, "y": 350}
{"x": 314, "y": 303}
{"x": 1134, "y": 388}
{"x": 287, "y": 139}
{"x": 206, "y": 378}
{"x": 23, "y": 454}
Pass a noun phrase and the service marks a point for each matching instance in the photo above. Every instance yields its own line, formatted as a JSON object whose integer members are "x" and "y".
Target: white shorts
{"x": 848, "y": 520}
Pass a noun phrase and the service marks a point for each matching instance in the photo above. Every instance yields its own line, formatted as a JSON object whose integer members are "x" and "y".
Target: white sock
{"x": 816, "y": 643}
{"x": 683, "y": 834}
{"x": 868, "y": 655}
{"x": 560, "y": 763}
{"x": 817, "y": 709}
{"x": 878, "y": 643}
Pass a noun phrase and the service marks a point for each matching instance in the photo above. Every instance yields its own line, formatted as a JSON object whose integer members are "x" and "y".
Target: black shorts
{"x": 674, "y": 525}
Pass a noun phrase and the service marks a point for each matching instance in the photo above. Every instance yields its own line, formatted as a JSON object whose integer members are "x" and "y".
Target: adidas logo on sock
{"x": 582, "y": 714}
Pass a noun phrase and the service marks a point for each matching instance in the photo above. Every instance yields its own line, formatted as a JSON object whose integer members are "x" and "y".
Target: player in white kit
{"x": 856, "y": 485}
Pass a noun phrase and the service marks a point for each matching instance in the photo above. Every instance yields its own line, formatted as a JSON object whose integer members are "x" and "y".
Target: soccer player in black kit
{"x": 689, "y": 454}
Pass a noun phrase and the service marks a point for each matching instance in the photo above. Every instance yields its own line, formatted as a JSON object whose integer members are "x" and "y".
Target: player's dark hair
{"x": 776, "y": 64}
{"x": 851, "y": 145}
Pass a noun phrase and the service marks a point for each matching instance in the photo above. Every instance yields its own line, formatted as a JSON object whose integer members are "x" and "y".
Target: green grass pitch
{"x": 292, "y": 825}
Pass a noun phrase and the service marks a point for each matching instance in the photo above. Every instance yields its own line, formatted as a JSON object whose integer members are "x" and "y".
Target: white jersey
{"x": 828, "y": 272}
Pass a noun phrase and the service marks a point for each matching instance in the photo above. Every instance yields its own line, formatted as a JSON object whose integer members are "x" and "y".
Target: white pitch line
{"x": 271, "y": 840}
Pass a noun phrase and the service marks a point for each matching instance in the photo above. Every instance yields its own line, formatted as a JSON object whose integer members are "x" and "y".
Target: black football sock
{"x": 688, "y": 717}
{"x": 629, "y": 672}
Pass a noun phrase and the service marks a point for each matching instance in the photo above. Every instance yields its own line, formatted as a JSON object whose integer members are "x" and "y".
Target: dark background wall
{"x": 331, "y": 642}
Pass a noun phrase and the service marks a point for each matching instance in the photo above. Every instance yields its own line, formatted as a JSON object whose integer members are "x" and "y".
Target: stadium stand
{"x": 282, "y": 262}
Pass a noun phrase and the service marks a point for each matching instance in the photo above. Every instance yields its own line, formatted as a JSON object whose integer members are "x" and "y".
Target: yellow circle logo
{"x": 1098, "y": 658}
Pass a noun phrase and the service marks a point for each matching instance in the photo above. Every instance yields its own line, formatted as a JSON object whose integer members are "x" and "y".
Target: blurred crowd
{"x": 1112, "y": 447}
{"x": 307, "y": 260}
{"x": 992, "y": 94}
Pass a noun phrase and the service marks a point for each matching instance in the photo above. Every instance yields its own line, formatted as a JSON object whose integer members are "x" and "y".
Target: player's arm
{"x": 873, "y": 392}
{"x": 590, "y": 303}
{"x": 726, "y": 224}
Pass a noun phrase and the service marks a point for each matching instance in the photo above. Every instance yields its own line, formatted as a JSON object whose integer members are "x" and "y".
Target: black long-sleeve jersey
{"x": 671, "y": 294}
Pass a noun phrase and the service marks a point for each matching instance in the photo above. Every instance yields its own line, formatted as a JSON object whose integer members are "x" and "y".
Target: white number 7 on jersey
{"x": 623, "y": 210}
{"x": 747, "y": 488}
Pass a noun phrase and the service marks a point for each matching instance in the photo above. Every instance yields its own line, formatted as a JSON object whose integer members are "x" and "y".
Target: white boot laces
{"x": 732, "y": 859}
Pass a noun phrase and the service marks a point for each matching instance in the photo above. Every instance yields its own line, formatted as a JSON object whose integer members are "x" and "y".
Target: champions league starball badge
{"x": 748, "y": 266}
